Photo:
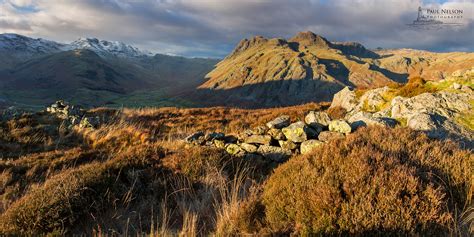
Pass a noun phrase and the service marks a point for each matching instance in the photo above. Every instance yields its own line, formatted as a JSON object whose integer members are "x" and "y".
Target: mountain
{"x": 263, "y": 72}
{"x": 93, "y": 72}
{"x": 17, "y": 48}
{"x": 105, "y": 48}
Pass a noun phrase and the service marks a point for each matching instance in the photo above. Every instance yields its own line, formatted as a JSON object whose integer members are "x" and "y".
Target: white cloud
{"x": 212, "y": 27}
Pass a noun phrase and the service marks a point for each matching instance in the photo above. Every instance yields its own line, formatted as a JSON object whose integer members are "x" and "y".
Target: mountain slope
{"x": 308, "y": 67}
{"x": 92, "y": 72}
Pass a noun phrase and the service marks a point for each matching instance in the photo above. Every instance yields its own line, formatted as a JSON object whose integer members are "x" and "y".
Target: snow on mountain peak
{"x": 29, "y": 46}
{"x": 104, "y": 47}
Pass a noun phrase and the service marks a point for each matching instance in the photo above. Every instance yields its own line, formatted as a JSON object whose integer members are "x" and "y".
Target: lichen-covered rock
{"x": 317, "y": 119}
{"x": 362, "y": 119}
{"x": 276, "y": 134}
{"x": 340, "y": 126}
{"x": 309, "y": 145}
{"x": 280, "y": 122}
{"x": 248, "y": 147}
{"x": 233, "y": 149}
{"x": 287, "y": 145}
{"x": 299, "y": 132}
{"x": 326, "y": 136}
{"x": 274, "y": 153}
{"x": 373, "y": 99}
{"x": 259, "y": 130}
{"x": 346, "y": 99}
{"x": 442, "y": 103}
{"x": 259, "y": 139}
{"x": 219, "y": 143}
{"x": 89, "y": 122}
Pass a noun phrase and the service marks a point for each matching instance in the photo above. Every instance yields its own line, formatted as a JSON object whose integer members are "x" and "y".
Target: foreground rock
{"x": 299, "y": 132}
{"x": 309, "y": 145}
{"x": 340, "y": 126}
{"x": 73, "y": 115}
{"x": 279, "y": 122}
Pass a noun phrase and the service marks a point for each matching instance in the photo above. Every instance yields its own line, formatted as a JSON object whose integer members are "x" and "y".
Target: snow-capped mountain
{"x": 104, "y": 47}
{"x": 19, "y": 47}
{"x": 23, "y": 46}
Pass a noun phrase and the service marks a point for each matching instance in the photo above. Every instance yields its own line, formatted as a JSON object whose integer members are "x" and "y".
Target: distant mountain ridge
{"x": 262, "y": 72}
{"x": 92, "y": 72}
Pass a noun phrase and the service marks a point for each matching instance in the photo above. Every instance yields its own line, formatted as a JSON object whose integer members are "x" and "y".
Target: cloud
{"x": 213, "y": 27}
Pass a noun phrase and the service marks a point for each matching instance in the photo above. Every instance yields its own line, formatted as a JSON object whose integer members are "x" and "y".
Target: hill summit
{"x": 263, "y": 72}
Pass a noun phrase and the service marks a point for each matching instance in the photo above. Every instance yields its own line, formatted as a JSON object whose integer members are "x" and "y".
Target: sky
{"x": 212, "y": 28}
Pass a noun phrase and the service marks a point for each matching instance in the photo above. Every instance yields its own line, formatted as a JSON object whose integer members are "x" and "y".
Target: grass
{"x": 375, "y": 182}
{"x": 133, "y": 175}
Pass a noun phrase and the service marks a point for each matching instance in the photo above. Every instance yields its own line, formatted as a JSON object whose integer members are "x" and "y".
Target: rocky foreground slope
{"x": 262, "y": 72}
{"x": 446, "y": 113}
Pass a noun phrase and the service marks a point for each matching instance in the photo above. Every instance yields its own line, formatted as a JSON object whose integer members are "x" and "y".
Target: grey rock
{"x": 274, "y": 153}
{"x": 214, "y": 136}
{"x": 195, "y": 137}
{"x": 259, "y": 139}
{"x": 373, "y": 99}
{"x": 346, "y": 99}
{"x": 299, "y": 132}
{"x": 340, "y": 126}
{"x": 456, "y": 86}
{"x": 233, "y": 149}
{"x": 287, "y": 145}
{"x": 309, "y": 145}
{"x": 219, "y": 144}
{"x": 259, "y": 130}
{"x": 276, "y": 134}
{"x": 280, "y": 122}
{"x": 362, "y": 119}
{"x": 248, "y": 147}
{"x": 317, "y": 119}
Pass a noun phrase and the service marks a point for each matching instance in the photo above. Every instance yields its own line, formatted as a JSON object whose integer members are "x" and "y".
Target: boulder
{"x": 259, "y": 139}
{"x": 362, "y": 119}
{"x": 214, "y": 136}
{"x": 287, "y": 145}
{"x": 346, "y": 99}
{"x": 456, "y": 86}
{"x": 340, "y": 126}
{"x": 373, "y": 99}
{"x": 276, "y": 134}
{"x": 89, "y": 122}
{"x": 317, "y": 119}
{"x": 233, "y": 149}
{"x": 274, "y": 153}
{"x": 280, "y": 122}
{"x": 259, "y": 130}
{"x": 442, "y": 103}
{"x": 230, "y": 139}
{"x": 299, "y": 132}
{"x": 195, "y": 137}
{"x": 248, "y": 147}
{"x": 309, "y": 145}
{"x": 326, "y": 136}
{"x": 219, "y": 144}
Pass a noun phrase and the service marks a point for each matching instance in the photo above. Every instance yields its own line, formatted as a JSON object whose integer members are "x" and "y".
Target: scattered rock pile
{"x": 279, "y": 138}
{"x": 72, "y": 115}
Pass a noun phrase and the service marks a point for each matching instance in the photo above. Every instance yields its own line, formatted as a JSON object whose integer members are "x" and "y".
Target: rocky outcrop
{"x": 73, "y": 115}
{"x": 434, "y": 113}
{"x": 278, "y": 140}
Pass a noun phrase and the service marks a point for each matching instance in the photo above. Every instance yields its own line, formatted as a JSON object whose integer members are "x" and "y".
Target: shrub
{"x": 336, "y": 112}
{"x": 414, "y": 87}
{"x": 76, "y": 194}
{"x": 377, "y": 180}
